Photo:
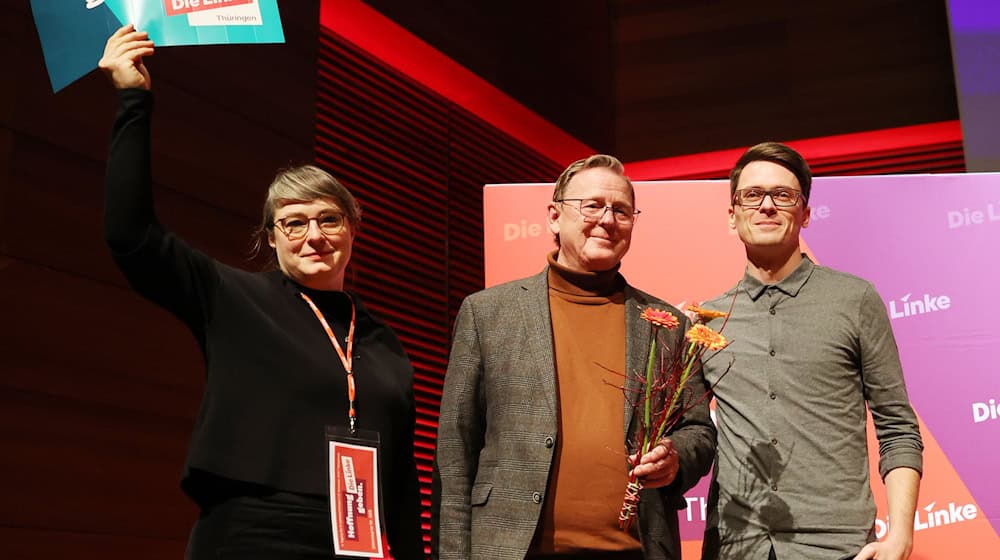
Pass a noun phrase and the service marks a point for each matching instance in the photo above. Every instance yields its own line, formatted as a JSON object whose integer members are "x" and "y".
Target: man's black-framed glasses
{"x": 593, "y": 210}
{"x": 753, "y": 197}
{"x": 296, "y": 227}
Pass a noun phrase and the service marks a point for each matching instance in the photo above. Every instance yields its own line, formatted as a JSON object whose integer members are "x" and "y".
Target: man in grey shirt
{"x": 811, "y": 346}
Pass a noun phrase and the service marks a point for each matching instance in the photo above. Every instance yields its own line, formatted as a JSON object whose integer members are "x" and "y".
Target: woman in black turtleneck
{"x": 257, "y": 462}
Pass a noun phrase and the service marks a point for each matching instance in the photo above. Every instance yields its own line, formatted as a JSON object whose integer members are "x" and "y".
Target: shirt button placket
{"x": 772, "y": 334}
{"x": 771, "y": 352}
{"x": 773, "y": 326}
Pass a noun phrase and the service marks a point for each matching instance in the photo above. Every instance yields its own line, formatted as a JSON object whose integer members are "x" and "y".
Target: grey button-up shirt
{"x": 806, "y": 355}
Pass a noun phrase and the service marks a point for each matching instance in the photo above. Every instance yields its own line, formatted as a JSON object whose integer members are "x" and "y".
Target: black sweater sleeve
{"x": 157, "y": 264}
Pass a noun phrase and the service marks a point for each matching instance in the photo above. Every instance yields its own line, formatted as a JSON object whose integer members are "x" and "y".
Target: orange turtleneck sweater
{"x": 589, "y": 470}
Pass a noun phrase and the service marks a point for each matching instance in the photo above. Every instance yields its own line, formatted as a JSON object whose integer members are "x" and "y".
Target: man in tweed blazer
{"x": 534, "y": 432}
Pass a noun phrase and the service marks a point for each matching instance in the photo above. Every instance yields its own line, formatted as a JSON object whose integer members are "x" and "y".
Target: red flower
{"x": 660, "y": 318}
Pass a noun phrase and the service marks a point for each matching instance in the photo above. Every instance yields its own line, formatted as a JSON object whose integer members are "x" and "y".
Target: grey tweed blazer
{"x": 499, "y": 419}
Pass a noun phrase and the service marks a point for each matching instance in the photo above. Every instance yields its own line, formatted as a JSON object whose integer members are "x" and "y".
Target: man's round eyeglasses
{"x": 593, "y": 210}
{"x": 754, "y": 197}
{"x": 296, "y": 227}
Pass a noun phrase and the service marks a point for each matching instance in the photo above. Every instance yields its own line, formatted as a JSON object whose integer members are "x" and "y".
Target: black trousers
{"x": 278, "y": 526}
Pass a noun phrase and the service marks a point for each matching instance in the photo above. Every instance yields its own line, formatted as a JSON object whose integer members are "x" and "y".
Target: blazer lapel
{"x": 537, "y": 321}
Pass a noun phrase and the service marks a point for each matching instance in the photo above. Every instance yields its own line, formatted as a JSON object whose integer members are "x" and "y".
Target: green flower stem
{"x": 690, "y": 357}
{"x": 650, "y": 364}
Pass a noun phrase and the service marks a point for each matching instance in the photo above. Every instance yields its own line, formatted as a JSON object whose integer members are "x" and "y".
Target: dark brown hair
{"x": 779, "y": 154}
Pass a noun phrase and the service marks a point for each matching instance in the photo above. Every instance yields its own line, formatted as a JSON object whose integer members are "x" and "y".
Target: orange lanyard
{"x": 345, "y": 358}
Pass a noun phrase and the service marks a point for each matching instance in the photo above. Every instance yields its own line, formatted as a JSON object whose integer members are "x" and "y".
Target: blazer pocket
{"x": 480, "y": 493}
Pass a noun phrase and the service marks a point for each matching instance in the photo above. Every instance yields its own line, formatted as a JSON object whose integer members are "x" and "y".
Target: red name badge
{"x": 355, "y": 499}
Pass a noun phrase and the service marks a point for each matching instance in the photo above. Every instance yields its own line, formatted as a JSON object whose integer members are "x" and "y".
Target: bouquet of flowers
{"x": 660, "y": 403}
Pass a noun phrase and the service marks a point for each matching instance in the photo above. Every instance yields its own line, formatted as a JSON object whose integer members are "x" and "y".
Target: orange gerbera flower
{"x": 660, "y": 318}
{"x": 706, "y": 314}
{"x": 700, "y": 334}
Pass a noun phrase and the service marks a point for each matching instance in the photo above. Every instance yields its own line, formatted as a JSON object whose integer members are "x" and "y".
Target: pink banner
{"x": 928, "y": 243}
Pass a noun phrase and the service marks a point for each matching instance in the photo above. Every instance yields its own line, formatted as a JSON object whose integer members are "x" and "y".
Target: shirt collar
{"x": 791, "y": 284}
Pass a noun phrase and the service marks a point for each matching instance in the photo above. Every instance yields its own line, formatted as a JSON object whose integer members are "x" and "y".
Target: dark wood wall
{"x": 647, "y": 79}
{"x": 98, "y": 389}
{"x": 701, "y": 76}
{"x": 554, "y": 56}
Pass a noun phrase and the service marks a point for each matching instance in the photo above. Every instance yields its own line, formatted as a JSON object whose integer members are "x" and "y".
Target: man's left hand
{"x": 885, "y": 550}
{"x": 658, "y": 467}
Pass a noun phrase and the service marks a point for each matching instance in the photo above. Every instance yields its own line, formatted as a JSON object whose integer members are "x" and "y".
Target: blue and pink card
{"x": 73, "y": 32}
